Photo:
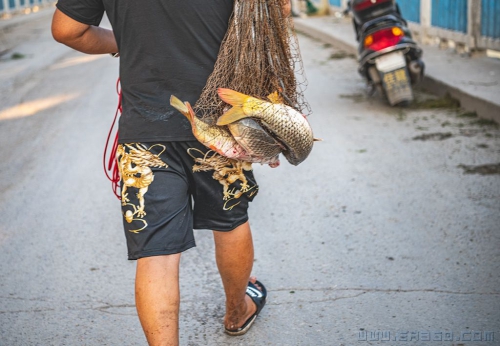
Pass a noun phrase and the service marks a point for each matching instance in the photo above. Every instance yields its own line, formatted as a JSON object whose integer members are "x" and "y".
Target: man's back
{"x": 166, "y": 47}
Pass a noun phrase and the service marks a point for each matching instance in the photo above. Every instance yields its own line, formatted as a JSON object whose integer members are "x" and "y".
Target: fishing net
{"x": 258, "y": 56}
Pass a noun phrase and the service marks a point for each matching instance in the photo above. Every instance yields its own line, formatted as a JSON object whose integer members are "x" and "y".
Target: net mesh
{"x": 258, "y": 56}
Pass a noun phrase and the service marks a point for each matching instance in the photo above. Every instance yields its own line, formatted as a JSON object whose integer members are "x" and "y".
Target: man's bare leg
{"x": 234, "y": 256}
{"x": 157, "y": 298}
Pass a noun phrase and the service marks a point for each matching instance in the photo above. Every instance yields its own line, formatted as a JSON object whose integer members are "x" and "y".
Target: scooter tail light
{"x": 363, "y": 5}
{"x": 383, "y": 38}
{"x": 368, "y": 40}
{"x": 397, "y": 31}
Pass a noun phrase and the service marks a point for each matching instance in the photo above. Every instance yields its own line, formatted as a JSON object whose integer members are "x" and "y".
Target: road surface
{"x": 389, "y": 230}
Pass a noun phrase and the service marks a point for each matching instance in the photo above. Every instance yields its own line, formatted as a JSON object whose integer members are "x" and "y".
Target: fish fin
{"x": 190, "y": 110}
{"x": 232, "y": 97}
{"x": 234, "y": 114}
{"x": 275, "y": 97}
{"x": 181, "y": 106}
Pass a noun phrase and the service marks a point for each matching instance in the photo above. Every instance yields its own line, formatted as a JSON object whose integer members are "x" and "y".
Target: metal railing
{"x": 473, "y": 25}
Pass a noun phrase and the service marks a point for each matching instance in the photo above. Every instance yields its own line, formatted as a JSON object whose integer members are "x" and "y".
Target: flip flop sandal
{"x": 259, "y": 298}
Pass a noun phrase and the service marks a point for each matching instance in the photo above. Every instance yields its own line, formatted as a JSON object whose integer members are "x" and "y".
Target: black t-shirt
{"x": 166, "y": 47}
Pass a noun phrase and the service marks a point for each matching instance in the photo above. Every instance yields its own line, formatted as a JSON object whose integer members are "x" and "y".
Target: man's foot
{"x": 255, "y": 299}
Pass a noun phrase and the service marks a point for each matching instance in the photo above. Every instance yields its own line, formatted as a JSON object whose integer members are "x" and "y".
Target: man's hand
{"x": 82, "y": 37}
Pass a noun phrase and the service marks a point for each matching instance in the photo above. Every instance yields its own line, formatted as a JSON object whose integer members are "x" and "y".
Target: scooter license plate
{"x": 390, "y": 62}
{"x": 397, "y": 86}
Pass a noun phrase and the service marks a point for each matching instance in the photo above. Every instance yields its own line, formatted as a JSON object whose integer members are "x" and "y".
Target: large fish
{"x": 256, "y": 141}
{"x": 289, "y": 126}
{"x": 219, "y": 139}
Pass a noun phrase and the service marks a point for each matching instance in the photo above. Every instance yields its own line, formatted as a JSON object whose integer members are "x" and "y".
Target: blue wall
{"x": 22, "y": 3}
{"x": 490, "y": 18}
{"x": 410, "y": 9}
{"x": 337, "y": 3}
{"x": 450, "y": 14}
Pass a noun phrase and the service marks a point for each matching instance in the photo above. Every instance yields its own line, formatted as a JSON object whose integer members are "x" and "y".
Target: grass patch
{"x": 433, "y": 103}
{"x": 482, "y": 169}
{"x": 17, "y": 56}
{"x": 341, "y": 55}
{"x": 467, "y": 115}
{"x": 485, "y": 122}
{"x": 439, "y": 136}
{"x": 354, "y": 97}
{"x": 400, "y": 116}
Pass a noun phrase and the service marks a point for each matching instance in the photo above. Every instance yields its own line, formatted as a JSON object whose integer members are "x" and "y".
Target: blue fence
{"x": 336, "y": 3}
{"x": 490, "y": 18}
{"x": 450, "y": 14}
{"x": 410, "y": 9}
{"x": 11, "y": 5}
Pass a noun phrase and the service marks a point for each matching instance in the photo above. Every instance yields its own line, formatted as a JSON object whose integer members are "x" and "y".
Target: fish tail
{"x": 190, "y": 109}
{"x": 182, "y": 107}
{"x": 235, "y": 99}
{"x": 234, "y": 114}
{"x": 232, "y": 97}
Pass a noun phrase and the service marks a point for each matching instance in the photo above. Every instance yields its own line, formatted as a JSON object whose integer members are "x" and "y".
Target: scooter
{"x": 388, "y": 58}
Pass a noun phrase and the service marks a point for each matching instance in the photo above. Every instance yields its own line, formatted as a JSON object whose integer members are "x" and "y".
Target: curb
{"x": 318, "y": 34}
{"x": 484, "y": 108}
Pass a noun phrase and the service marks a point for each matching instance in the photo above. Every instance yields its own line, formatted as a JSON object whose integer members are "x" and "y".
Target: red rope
{"x": 111, "y": 165}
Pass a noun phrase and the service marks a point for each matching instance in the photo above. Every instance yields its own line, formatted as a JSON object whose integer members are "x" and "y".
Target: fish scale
{"x": 254, "y": 139}
{"x": 289, "y": 126}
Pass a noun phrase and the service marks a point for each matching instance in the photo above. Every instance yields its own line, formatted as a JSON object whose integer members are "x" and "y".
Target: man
{"x": 169, "y": 47}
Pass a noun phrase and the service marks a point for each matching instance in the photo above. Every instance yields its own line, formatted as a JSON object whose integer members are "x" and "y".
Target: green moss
{"x": 341, "y": 55}
{"x": 354, "y": 97}
{"x": 433, "y": 103}
{"x": 400, "y": 116}
{"x": 16, "y": 56}
{"x": 485, "y": 122}
{"x": 439, "y": 136}
{"x": 467, "y": 115}
{"x": 487, "y": 169}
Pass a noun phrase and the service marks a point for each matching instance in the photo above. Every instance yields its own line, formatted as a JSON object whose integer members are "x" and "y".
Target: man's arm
{"x": 82, "y": 37}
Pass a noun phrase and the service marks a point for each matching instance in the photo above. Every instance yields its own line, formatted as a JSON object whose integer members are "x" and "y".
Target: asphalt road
{"x": 389, "y": 230}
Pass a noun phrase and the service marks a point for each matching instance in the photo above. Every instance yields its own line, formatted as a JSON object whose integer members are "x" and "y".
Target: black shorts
{"x": 171, "y": 188}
